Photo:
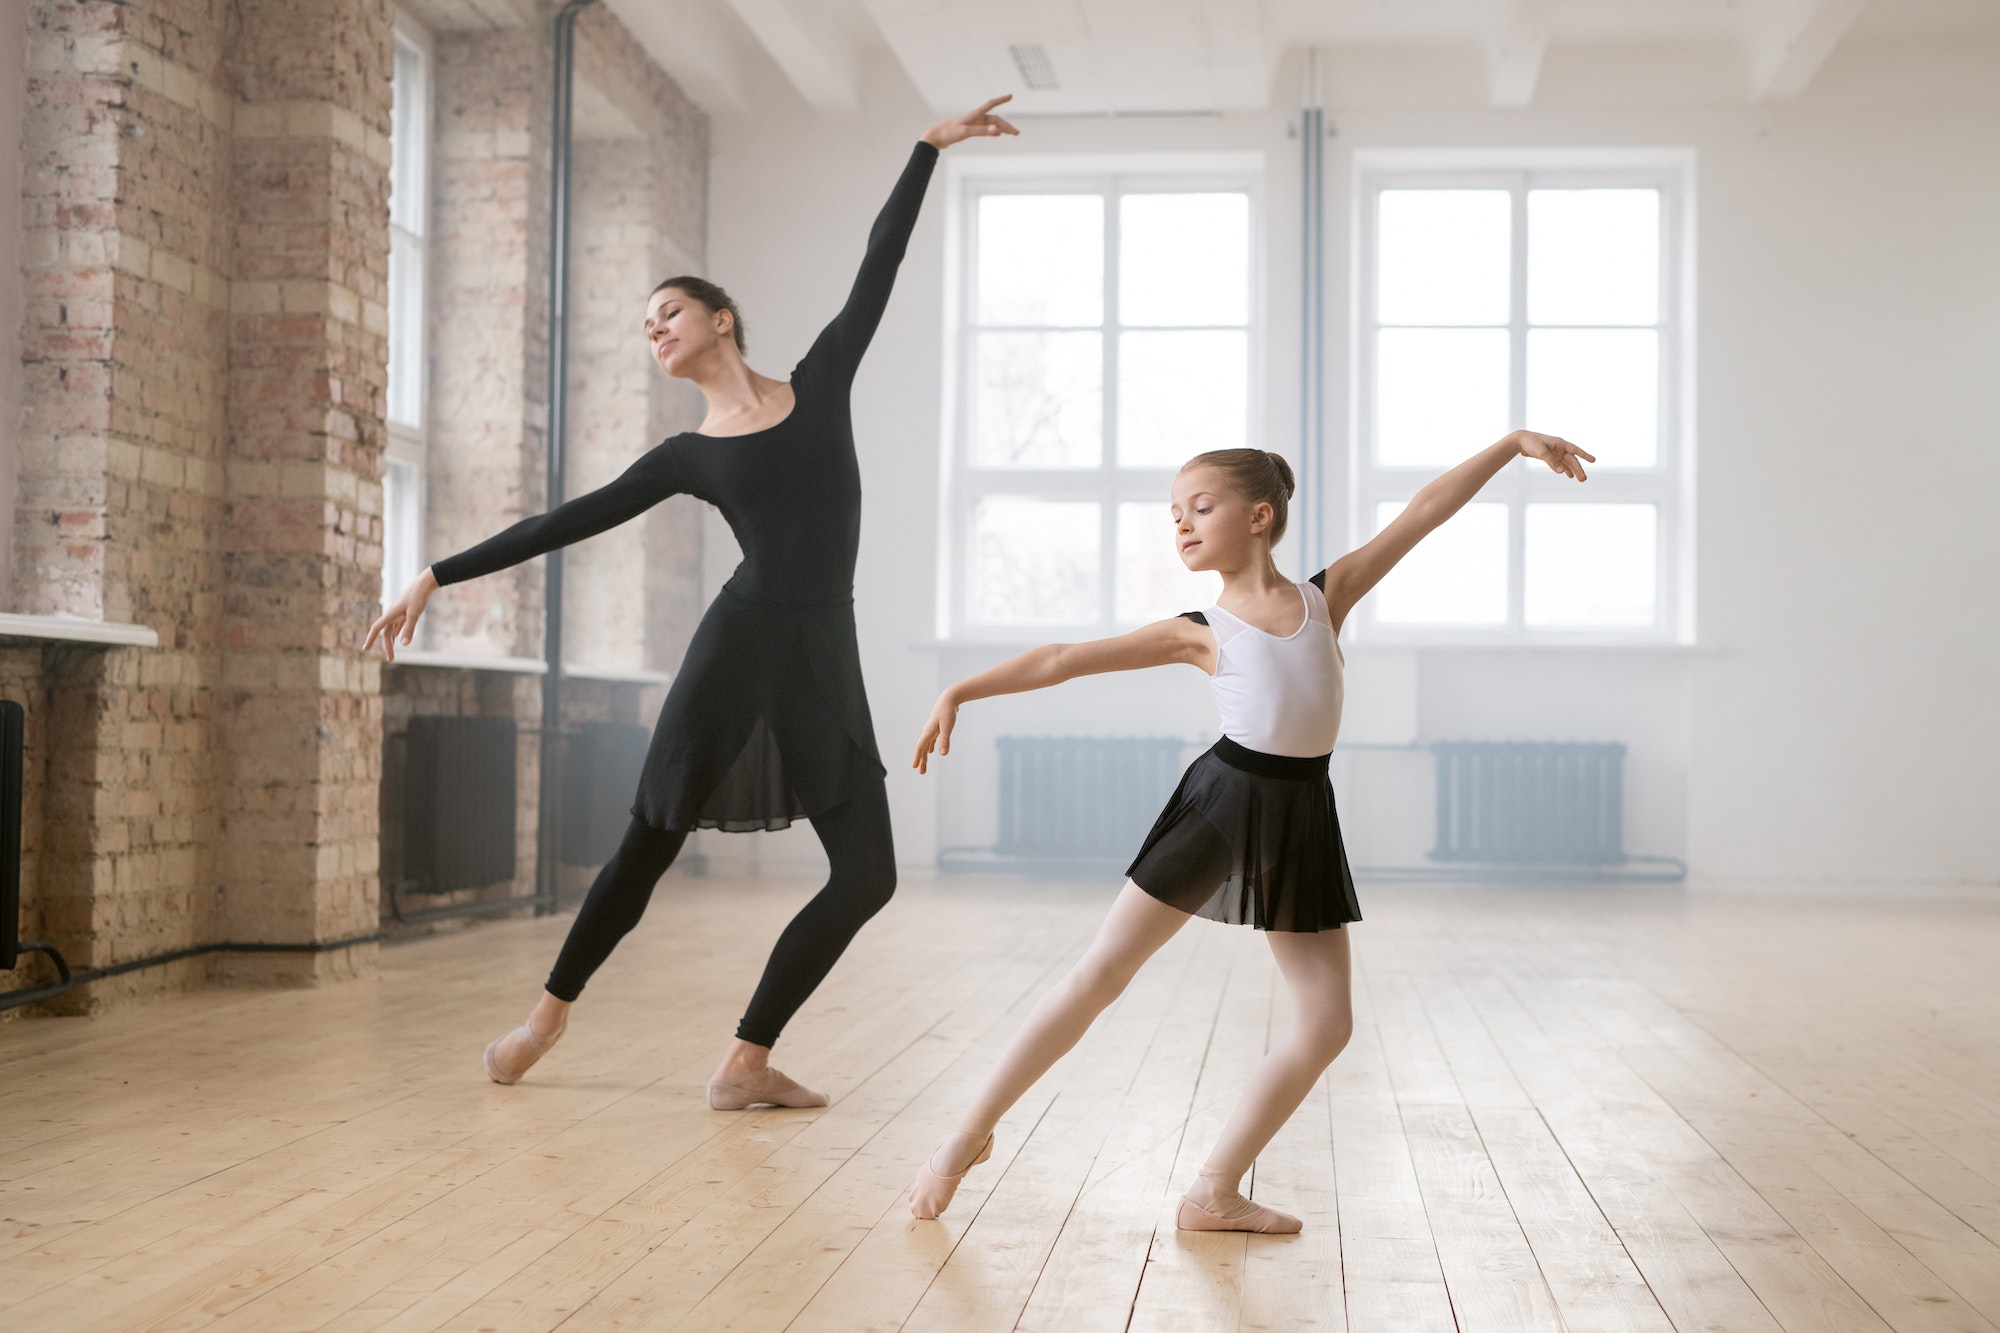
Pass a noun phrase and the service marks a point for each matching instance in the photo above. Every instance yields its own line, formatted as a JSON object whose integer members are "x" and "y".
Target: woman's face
{"x": 1214, "y": 526}
{"x": 683, "y": 332}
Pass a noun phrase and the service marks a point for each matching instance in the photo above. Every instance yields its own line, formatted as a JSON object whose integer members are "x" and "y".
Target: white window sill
{"x": 75, "y": 629}
{"x": 524, "y": 666}
{"x": 443, "y": 661}
{"x": 1348, "y": 645}
{"x": 618, "y": 675}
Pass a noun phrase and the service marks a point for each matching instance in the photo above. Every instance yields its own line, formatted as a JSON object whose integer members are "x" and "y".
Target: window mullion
{"x": 959, "y": 514}
{"x": 1108, "y": 458}
{"x": 1517, "y": 409}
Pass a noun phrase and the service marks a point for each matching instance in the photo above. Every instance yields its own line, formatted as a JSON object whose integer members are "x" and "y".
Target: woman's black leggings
{"x": 863, "y": 856}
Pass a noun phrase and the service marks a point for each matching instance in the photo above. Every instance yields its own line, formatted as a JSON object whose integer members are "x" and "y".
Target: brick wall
{"x": 204, "y": 232}
{"x": 301, "y": 717}
{"x": 125, "y": 260}
{"x": 489, "y": 308}
{"x": 203, "y": 346}
{"x": 670, "y": 156}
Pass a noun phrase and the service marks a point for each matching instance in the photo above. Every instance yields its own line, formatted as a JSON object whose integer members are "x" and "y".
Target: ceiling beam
{"x": 1514, "y": 51}
{"x": 808, "y": 45}
{"x": 1787, "y": 51}
{"x": 696, "y": 42}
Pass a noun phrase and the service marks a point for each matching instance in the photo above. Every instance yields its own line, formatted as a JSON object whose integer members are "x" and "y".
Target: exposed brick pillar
{"x": 607, "y": 593}
{"x": 489, "y": 307}
{"x": 308, "y": 346}
{"x": 124, "y": 259}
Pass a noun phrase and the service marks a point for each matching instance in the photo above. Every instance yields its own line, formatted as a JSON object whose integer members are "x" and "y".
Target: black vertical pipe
{"x": 548, "y": 822}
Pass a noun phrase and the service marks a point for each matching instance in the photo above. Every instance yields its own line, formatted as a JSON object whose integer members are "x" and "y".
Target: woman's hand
{"x": 1558, "y": 453}
{"x": 937, "y": 732}
{"x": 979, "y": 123}
{"x": 399, "y": 622}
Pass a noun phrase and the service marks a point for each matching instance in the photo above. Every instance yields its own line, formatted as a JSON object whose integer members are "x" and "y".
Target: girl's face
{"x": 683, "y": 333}
{"x": 1214, "y": 526}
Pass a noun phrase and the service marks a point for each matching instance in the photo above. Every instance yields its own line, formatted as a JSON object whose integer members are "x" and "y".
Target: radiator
{"x": 1521, "y": 802}
{"x": 13, "y": 723}
{"x": 1082, "y": 797}
{"x": 458, "y": 802}
{"x": 600, "y": 779}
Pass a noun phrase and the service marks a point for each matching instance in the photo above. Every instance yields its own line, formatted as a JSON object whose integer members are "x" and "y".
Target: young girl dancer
{"x": 767, "y": 720}
{"x": 1250, "y": 837}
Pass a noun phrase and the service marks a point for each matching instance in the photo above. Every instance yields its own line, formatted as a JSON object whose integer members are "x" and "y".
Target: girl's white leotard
{"x": 1279, "y": 695}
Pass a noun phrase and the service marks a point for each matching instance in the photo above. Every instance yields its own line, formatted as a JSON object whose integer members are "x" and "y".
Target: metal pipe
{"x": 70, "y": 981}
{"x": 548, "y": 821}
{"x": 1312, "y": 320}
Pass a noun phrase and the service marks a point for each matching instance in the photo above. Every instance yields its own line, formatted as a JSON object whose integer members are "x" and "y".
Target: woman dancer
{"x": 1250, "y": 836}
{"x": 767, "y": 721}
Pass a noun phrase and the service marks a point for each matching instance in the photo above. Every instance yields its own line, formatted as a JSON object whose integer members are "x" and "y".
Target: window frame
{"x": 408, "y": 444}
{"x": 1667, "y": 485}
{"x": 963, "y": 483}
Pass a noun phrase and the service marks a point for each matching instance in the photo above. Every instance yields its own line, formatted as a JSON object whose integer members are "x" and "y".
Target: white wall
{"x": 1836, "y": 720}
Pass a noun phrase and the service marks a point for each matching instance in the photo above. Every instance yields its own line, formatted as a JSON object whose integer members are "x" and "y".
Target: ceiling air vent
{"x": 1032, "y": 59}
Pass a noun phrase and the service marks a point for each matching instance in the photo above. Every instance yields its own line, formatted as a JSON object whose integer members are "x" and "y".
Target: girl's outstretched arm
{"x": 1158, "y": 644}
{"x": 1350, "y": 578}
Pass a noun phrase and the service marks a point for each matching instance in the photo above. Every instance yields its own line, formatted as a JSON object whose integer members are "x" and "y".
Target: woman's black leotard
{"x": 767, "y": 720}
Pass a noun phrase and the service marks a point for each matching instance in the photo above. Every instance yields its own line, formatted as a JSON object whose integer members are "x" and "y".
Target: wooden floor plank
{"x": 1092, "y": 1274}
{"x": 1578, "y": 1108}
{"x": 1196, "y": 1277}
{"x": 1590, "y": 1274}
{"x": 1390, "y": 1269}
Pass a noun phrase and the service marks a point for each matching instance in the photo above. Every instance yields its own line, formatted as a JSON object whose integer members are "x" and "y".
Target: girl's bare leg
{"x": 1316, "y": 971}
{"x": 1138, "y": 924}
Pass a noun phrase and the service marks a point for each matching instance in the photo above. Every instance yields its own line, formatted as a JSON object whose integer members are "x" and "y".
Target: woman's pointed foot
{"x": 762, "y": 1087}
{"x": 1233, "y": 1212}
{"x": 509, "y": 1057}
{"x": 933, "y": 1190}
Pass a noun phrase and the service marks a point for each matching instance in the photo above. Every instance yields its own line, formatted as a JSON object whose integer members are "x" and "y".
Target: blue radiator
{"x": 1082, "y": 798}
{"x": 1541, "y": 803}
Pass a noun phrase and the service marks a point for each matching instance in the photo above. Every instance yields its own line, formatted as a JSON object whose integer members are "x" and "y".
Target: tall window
{"x": 1108, "y": 333}
{"x": 409, "y": 148}
{"x": 1545, "y": 299}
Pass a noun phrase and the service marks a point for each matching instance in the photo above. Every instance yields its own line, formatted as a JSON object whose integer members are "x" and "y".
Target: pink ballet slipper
{"x": 932, "y": 1192}
{"x": 766, "y": 1087}
{"x": 1234, "y": 1213}
{"x": 509, "y": 1057}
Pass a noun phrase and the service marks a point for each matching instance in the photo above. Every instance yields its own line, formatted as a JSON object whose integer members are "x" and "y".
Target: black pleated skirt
{"x": 766, "y": 722}
{"x": 1251, "y": 839}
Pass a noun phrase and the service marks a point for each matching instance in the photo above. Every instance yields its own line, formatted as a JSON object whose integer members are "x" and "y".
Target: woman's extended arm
{"x": 1349, "y": 578}
{"x": 648, "y": 481}
{"x": 841, "y": 344}
{"x": 1157, "y": 644}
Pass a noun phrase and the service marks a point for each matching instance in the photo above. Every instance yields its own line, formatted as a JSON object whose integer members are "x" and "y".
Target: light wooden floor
{"x": 1618, "y": 1110}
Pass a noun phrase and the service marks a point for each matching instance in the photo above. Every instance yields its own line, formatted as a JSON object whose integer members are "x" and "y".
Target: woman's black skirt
{"x": 1251, "y": 839}
{"x": 766, "y": 722}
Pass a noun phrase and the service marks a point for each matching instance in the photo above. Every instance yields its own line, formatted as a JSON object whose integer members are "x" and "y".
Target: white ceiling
{"x": 1135, "y": 56}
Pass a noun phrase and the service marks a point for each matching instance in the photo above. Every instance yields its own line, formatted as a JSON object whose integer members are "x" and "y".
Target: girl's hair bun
{"x": 1284, "y": 472}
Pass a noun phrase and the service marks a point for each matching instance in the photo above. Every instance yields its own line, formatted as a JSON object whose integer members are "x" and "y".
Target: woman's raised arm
{"x": 1159, "y": 644}
{"x": 841, "y": 344}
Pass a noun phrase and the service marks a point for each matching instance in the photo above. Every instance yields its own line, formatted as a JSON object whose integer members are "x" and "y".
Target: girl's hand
{"x": 979, "y": 123}
{"x": 1558, "y": 453}
{"x": 937, "y": 732}
{"x": 400, "y": 620}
